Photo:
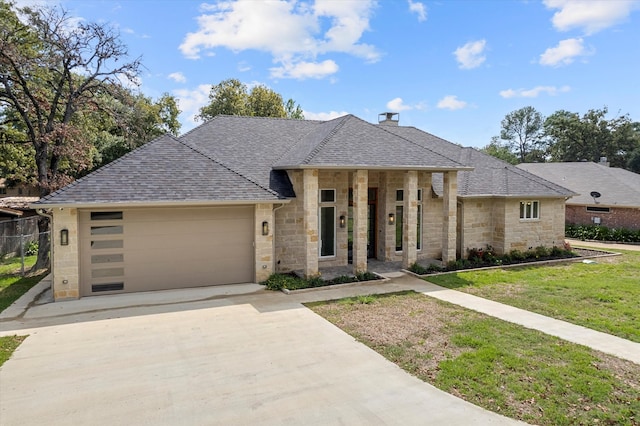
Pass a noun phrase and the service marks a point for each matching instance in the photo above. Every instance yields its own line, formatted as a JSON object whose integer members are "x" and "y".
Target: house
{"x": 18, "y": 224}
{"x": 20, "y": 190}
{"x": 239, "y": 198}
{"x": 608, "y": 196}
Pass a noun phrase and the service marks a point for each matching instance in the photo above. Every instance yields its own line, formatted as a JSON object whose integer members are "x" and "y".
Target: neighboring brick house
{"x": 239, "y": 198}
{"x": 608, "y": 196}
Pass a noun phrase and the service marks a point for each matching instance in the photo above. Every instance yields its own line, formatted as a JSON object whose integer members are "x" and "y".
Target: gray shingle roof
{"x": 233, "y": 158}
{"x": 618, "y": 187}
{"x": 163, "y": 170}
{"x": 490, "y": 176}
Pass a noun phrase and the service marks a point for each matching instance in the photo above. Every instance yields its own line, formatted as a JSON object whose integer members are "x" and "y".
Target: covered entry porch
{"x": 351, "y": 217}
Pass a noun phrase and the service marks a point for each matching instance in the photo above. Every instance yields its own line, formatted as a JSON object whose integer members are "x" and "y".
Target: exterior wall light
{"x": 265, "y": 228}
{"x": 64, "y": 237}
{"x": 392, "y": 218}
{"x": 343, "y": 221}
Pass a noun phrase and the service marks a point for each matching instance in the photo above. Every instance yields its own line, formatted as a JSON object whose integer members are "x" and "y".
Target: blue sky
{"x": 452, "y": 68}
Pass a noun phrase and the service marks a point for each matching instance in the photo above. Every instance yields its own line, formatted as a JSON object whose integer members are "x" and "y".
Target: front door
{"x": 372, "y": 222}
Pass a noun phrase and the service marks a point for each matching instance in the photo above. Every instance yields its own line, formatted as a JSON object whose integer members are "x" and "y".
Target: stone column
{"x": 360, "y": 208}
{"x": 263, "y": 243}
{"x": 66, "y": 269}
{"x": 449, "y": 211}
{"x": 310, "y": 208}
{"x": 410, "y": 219}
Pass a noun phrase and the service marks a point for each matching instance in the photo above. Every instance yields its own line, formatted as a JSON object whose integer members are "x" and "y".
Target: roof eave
{"x": 369, "y": 167}
{"x": 177, "y": 203}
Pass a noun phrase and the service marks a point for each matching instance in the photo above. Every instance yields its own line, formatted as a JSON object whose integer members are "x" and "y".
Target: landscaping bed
{"x": 291, "y": 281}
{"x": 486, "y": 258}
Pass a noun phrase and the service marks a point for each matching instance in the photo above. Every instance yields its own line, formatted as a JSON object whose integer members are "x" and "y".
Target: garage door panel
{"x": 168, "y": 248}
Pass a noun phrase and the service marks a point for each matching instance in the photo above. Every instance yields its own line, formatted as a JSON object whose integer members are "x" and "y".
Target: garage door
{"x": 165, "y": 248}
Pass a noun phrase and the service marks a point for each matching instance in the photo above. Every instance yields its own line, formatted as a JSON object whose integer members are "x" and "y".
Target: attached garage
{"x": 143, "y": 249}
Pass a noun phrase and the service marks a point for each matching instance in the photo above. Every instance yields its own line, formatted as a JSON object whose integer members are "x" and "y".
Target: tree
{"x": 293, "y": 111}
{"x": 591, "y": 137}
{"x": 232, "y": 97}
{"x": 522, "y": 129}
{"x": 633, "y": 163}
{"x": 50, "y": 68}
{"x": 499, "y": 150}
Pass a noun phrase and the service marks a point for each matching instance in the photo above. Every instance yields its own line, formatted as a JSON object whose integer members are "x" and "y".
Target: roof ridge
{"x": 108, "y": 166}
{"x": 550, "y": 185}
{"x": 415, "y": 143}
{"x": 220, "y": 163}
{"x": 324, "y": 141}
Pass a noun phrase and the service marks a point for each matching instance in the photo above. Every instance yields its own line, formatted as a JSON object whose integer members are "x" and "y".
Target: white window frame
{"x": 532, "y": 213}
{"x": 327, "y": 205}
{"x": 399, "y": 221}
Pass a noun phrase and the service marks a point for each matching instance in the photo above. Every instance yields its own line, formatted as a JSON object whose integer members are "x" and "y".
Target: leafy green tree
{"x": 500, "y": 150}
{"x": 232, "y": 97}
{"x": 51, "y": 67}
{"x": 522, "y": 131}
{"x": 293, "y": 110}
{"x": 592, "y": 136}
{"x": 633, "y": 163}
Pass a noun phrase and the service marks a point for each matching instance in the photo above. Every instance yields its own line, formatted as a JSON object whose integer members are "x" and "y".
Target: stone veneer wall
{"x": 263, "y": 243}
{"x": 526, "y": 234}
{"x": 617, "y": 217}
{"x": 65, "y": 261}
{"x": 289, "y": 228}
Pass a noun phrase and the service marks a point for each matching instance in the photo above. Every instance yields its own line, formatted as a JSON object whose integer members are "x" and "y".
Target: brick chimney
{"x": 389, "y": 118}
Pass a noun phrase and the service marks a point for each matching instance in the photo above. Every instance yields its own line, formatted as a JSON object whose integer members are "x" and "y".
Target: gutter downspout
{"x": 42, "y": 212}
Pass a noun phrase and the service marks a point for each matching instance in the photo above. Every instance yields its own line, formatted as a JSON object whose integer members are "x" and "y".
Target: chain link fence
{"x": 19, "y": 237}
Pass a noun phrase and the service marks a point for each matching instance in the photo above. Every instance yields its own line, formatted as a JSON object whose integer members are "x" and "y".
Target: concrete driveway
{"x": 254, "y": 358}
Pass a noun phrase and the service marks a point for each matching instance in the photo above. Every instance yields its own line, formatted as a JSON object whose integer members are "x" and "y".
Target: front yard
{"x": 603, "y": 296}
{"x": 503, "y": 367}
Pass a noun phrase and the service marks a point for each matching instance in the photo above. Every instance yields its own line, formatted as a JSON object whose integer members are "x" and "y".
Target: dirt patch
{"x": 417, "y": 333}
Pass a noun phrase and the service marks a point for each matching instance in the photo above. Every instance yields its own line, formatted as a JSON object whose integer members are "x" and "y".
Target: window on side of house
{"x": 400, "y": 220}
{"x": 327, "y": 223}
{"x": 529, "y": 210}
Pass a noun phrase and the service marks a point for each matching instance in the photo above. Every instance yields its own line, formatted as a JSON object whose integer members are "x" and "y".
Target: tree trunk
{"x": 44, "y": 245}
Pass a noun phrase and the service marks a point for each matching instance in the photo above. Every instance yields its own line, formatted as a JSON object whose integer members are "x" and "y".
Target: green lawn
{"x": 12, "y": 285}
{"x": 518, "y": 372}
{"x": 8, "y": 344}
{"x": 604, "y": 296}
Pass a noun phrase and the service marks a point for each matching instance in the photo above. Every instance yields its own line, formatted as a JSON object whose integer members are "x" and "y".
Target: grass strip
{"x": 602, "y": 296}
{"x": 503, "y": 367}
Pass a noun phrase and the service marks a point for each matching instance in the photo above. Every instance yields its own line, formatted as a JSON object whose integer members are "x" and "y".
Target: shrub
{"x": 31, "y": 249}
{"x": 602, "y": 233}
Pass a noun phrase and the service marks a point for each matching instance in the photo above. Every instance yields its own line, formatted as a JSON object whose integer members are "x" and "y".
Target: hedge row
{"x": 602, "y": 233}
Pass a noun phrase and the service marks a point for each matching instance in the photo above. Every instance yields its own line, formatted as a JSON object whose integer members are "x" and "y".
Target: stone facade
{"x": 297, "y": 245}
{"x": 65, "y": 259}
{"x": 263, "y": 243}
{"x": 616, "y": 217}
{"x": 496, "y": 222}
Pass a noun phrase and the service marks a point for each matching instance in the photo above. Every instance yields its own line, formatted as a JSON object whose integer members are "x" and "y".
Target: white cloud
{"x": 590, "y": 15}
{"x": 178, "y": 77}
{"x": 451, "y": 102}
{"x": 535, "y": 92}
{"x": 290, "y": 31}
{"x": 397, "y": 105}
{"x": 564, "y": 53}
{"x": 419, "y": 9}
{"x": 303, "y": 70}
{"x": 323, "y": 116}
{"x": 471, "y": 54}
{"x": 190, "y": 102}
